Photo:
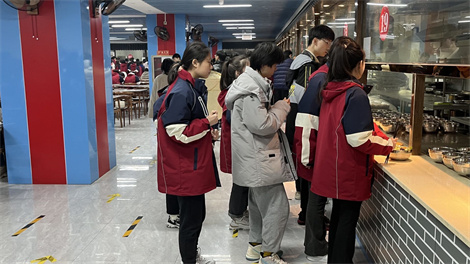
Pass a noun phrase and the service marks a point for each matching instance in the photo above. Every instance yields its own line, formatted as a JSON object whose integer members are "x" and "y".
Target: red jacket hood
{"x": 185, "y": 75}
{"x": 333, "y": 89}
{"x": 221, "y": 98}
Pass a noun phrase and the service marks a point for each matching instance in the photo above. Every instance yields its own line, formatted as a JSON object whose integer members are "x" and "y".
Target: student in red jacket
{"x": 238, "y": 202}
{"x": 186, "y": 162}
{"x": 345, "y": 146}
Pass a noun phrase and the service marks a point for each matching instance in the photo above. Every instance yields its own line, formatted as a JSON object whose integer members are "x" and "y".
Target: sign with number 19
{"x": 383, "y": 23}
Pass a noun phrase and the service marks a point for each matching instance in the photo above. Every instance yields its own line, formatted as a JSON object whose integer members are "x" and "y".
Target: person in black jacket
{"x": 281, "y": 91}
{"x": 319, "y": 41}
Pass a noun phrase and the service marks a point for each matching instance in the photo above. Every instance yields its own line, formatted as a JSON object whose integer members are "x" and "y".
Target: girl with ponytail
{"x": 238, "y": 202}
{"x": 186, "y": 162}
{"x": 345, "y": 146}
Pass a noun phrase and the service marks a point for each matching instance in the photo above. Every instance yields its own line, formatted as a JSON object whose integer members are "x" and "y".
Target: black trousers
{"x": 315, "y": 229}
{"x": 342, "y": 237}
{"x": 279, "y": 95}
{"x": 192, "y": 215}
{"x": 304, "y": 194}
{"x": 238, "y": 202}
{"x": 172, "y": 206}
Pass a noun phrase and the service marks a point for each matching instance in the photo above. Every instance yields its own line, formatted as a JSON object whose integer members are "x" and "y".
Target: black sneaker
{"x": 173, "y": 223}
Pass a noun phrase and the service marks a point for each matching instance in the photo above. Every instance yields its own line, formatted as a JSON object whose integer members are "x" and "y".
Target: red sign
{"x": 383, "y": 23}
{"x": 345, "y": 29}
{"x": 163, "y": 52}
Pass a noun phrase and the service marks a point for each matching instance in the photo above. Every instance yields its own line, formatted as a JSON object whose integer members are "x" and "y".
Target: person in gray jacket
{"x": 261, "y": 158}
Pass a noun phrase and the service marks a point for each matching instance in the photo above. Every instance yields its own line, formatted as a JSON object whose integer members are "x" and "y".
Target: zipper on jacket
{"x": 195, "y": 159}
{"x": 367, "y": 164}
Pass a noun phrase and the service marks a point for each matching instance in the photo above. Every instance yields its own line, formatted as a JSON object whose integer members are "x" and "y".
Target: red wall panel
{"x": 100, "y": 92}
{"x": 43, "y": 100}
{"x": 168, "y": 45}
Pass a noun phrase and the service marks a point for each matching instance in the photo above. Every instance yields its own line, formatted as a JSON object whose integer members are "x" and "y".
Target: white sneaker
{"x": 253, "y": 252}
{"x": 201, "y": 260}
{"x": 240, "y": 223}
{"x": 173, "y": 222}
{"x": 297, "y": 195}
{"x": 273, "y": 259}
{"x": 318, "y": 259}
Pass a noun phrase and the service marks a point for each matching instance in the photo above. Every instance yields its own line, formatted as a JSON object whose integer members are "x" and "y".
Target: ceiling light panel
{"x": 127, "y": 25}
{"x": 236, "y": 21}
{"x": 118, "y": 21}
{"x": 226, "y": 6}
{"x": 244, "y": 24}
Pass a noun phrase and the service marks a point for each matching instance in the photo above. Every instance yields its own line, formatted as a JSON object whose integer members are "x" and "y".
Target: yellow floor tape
{"x": 129, "y": 231}
{"x": 235, "y": 233}
{"x": 28, "y": 225}
{"x": 113, "y": 196}
{"x": 44, "y": 259}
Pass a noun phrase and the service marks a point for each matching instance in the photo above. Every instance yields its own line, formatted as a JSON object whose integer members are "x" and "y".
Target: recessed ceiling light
{"x": 236, "y": 20}
{"x": 327, "y": 13}
{"x": 241, "y": 34}
{"x": 240, "y": 27}
{"x": 317, "y": 14}
{"x": 118, "y": 21}
{"x": 132, "y": 29}
{"x": 326, "y": 5}
{"x": 340, "y": 23}
{"x": 345, "y": 19}
{"x": 341, "y": 5}
{"x": 127, "y": 25}
{"x": 223, "y": 6}
{"x": 395, "y": 5}
{"x": 464, "y": 21}
{"x": 244, "y": 24}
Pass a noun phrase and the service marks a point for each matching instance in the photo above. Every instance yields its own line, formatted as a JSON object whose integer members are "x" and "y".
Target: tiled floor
{"x": 80, "y": 226}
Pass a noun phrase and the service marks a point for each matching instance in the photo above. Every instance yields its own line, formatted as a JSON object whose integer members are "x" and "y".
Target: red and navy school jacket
{"x": 116, "y": 78}
{"x": 226, "y": 136}
{"x": 346, "y": 143}
{"x": 306, "y": 125}
{"x": 123, "y": 67}
{"x": 131, "y": 78}
{"x": 186, "y": 162}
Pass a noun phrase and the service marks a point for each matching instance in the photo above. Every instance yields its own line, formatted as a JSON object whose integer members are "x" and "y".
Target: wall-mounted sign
{"x": 163, "y": 52}
{"x": 384, "y": 23}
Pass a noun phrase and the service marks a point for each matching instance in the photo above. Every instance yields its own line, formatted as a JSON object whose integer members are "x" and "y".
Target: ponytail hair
{"x": 195, "y": 51}
{"x": 344, "y": 55}
{"x": 230, "y": 69}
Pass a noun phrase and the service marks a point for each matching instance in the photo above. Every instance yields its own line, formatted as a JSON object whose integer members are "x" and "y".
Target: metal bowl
{"x": 450, "y": 127}
{"x": 430, "y": 126}
{"x": 462, "y": 166}
{"x": 400, "y": 154}
{"x": 447, "y": 158}
{"x": 436, "y": 153}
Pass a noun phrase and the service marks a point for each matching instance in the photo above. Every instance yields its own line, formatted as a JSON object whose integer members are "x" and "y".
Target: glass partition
{"x": 418, "y": 31}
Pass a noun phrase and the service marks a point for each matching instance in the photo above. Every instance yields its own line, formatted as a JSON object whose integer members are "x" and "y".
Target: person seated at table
{"x": 145, "y": 76}
{"x": 131, "y": 78}
{"x": 117, "y": 78}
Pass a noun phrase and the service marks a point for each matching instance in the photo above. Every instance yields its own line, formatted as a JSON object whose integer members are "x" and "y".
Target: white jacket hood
{"x": 249, "y": 82}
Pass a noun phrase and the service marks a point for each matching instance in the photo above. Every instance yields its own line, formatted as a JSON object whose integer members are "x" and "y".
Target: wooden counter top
{"x": 440, "y": 190}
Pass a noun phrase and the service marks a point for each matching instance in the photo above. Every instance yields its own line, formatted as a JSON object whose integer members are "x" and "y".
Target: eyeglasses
{"x": 328, "y": 42}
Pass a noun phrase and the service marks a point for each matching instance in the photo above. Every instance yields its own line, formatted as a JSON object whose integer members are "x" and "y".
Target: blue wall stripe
{"x": 219, "y": 45}
{"x": 74, "y": 49}
{"x": 180, "y": 33}
{"x": 109, "y": 92}
{"x": 152, "y": 44}
{"x": 205, "y": 38}
{"x": 15, "y": 123}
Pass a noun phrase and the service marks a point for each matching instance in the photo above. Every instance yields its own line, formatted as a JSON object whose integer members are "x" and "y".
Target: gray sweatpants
{"x": 269, "y": 210}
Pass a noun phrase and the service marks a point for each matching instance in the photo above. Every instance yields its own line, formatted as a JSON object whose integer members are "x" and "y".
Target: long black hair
{"x": 344, "y": 55}
{"x": 230, "y": 69}
{"x": 195, "y": 51}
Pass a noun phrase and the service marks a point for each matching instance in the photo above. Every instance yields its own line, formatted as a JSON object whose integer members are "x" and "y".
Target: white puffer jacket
{"x": 259, "y": 157}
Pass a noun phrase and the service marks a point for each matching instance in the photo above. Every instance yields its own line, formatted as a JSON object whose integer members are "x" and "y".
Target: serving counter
{"x": 419, "y": 212}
